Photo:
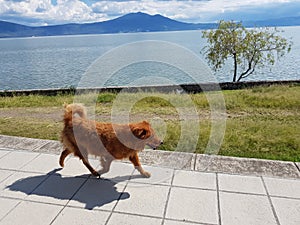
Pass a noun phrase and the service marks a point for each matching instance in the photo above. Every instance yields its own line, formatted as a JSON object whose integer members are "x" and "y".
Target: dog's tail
{"x": 72, "y": 110}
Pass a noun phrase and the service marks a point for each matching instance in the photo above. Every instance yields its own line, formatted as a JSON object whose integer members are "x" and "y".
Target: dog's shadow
{"x": 92, "y": 192}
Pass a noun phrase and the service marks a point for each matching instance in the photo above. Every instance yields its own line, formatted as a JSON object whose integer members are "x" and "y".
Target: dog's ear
{"x": 141, "y": 133}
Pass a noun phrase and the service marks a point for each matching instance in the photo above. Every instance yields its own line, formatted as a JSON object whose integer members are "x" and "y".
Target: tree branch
{"x": 247, "y": 73}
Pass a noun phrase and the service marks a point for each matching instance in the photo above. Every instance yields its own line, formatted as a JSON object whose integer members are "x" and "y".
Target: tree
{"x": 249, "y": 48}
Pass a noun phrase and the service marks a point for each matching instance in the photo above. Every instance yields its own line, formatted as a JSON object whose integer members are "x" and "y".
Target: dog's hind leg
{"x": 63, "y": 155}
{"x": 105, "y": 163}
{"x": 84, "y": 157}
{"x": 91, "y": 169}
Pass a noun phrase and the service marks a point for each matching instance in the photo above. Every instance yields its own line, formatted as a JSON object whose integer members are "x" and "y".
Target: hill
{"x": 130, "y": 23}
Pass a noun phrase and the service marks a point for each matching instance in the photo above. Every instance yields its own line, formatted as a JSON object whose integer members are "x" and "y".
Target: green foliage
{"x": 106, "y": 98}
{"x": 249, "y": 48}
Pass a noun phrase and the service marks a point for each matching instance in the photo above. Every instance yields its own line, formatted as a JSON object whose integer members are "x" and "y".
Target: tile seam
{"x": 218, "y": 199}
{"x": 9, "y": 152}
{"x": 65, "y": 205}
{"x": 297, "y": 167}
{"x": 136, "y": 214}
{"x": 168, "y": 198}
{"x": 195, "y": 161}
{"x": 113, "y": 209}
{"x": 30, "y": 161}
{"x": 21, "y": 200}
{"x": 285, "y": 197}
{"x": 190, "y": 221}
{"x": 270, "y": 202}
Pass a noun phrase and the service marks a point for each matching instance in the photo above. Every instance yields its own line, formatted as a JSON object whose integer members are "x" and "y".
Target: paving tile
{"x": 193, "y": 205}
{"x": 56, "y": 189}
{"x": 16, "y": 160}
{"x": 235, "y": 165}
{"x": 98, "y": 194}
{"x": 195, "y": 179}
{"x": 144, "y": 199}
{"x": 245, "y": 209}
{"x": 4, "y": 174}
{"x": 158, "y": 176}
{"x": 44, "y": 163}
{"x": 168, "y": 159}
{"x": 20, "y": 142}
{"x": 124, "y": 219}
{"x": 32, "y": 213}
{"x": 74, "y": 167}
{"x": 283, "y": 187}
{"x": 73, "y": 216}
{"x": 3, "y": 152}
{"x": 7, "y": 205}
{"x": 244, "y": 184}
{"x": 20, "y": 184}
{"x": 287, "y": 210}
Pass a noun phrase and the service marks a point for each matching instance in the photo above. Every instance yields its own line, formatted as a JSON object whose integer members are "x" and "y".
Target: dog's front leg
{"x": 137, "y": 164}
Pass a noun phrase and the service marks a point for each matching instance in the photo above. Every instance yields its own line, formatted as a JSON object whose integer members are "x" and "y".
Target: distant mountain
{"x": 130, "y": 23}
{"x": 279, "y": 22}
{"x": 11, "y": 29}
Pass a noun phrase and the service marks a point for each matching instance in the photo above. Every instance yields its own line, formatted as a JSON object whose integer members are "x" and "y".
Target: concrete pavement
{"x": 184, "y": 189}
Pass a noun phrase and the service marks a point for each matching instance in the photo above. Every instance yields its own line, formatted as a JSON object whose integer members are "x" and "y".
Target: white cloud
{"x": 43, "y": 11}
{"x": 168, "y": 8}
{"x": 82, "y": 11}
{"x": 190, "y": 11}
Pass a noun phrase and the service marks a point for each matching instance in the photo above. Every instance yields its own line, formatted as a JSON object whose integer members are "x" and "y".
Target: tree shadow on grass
{"x": 90, "y": 191}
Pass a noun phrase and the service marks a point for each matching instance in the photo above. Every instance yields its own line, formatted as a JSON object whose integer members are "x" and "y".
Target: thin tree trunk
{"x": 235, "y": 67}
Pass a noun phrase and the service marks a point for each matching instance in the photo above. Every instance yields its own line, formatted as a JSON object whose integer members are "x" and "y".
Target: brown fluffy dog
{"x": 108, "y": 141}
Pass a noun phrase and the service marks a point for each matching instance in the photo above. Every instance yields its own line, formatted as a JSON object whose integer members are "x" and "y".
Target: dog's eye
{"x": 144, "y": 132}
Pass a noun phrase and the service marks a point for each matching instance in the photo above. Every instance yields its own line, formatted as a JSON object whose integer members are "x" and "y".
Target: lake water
{"x": 58, "y": 62}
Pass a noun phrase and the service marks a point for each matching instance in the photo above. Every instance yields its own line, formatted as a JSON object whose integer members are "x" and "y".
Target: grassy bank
{"x": 262, "y": 122}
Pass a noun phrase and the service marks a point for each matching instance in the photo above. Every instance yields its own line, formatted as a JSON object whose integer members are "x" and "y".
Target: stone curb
{"x": 189, "y": 88}
{"x": 176, "y": 160}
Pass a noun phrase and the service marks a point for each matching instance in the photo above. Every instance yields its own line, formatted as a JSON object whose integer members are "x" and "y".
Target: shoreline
{"x": 188, "y": 88}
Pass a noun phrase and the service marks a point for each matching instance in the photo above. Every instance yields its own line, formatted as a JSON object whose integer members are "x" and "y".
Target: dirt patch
{"x": 55, "y": 114}
{"x": 49, "y": 113}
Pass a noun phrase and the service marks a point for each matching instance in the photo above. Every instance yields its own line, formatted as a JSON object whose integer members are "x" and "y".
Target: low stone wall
{"x": 189, "y": 88}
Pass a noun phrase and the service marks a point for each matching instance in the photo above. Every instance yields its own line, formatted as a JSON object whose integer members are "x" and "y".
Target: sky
{"x": 52, "y": 12}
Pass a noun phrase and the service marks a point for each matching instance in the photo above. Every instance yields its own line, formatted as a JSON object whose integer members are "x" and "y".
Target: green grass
{"x": 265, "y": 136}
{"x": 275, "y": 97}
{"x": 34, "y": 101}
{"x": 35, "y": 128}
{"x": 263, "y": 122}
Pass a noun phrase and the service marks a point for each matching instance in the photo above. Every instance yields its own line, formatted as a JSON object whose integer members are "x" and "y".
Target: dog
{"x": 108, "y": 141}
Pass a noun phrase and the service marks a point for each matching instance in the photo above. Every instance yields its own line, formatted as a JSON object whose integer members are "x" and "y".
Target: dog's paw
{"x": 146, "y": 174}
{"x": 96, "y": 174}
{"x": 102, "y": 171}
